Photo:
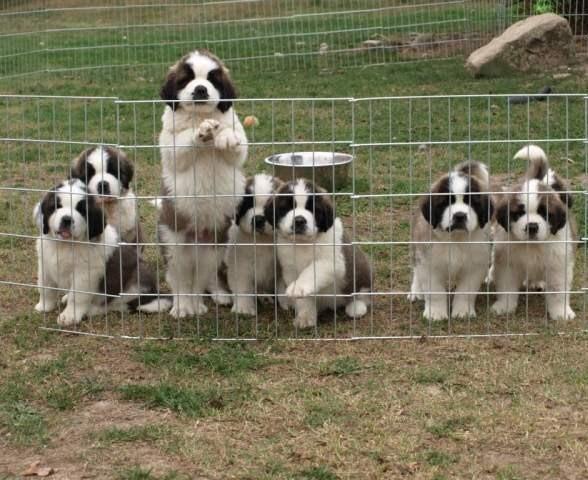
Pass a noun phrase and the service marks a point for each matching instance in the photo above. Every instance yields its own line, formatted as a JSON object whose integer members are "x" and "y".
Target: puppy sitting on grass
{"x": 320, "y": 267}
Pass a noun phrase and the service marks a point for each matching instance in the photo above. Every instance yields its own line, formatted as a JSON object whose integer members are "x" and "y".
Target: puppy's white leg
{"x": 79, "y": 304}
{"x": 507, "y": 279}
{"x": 558, "y": 304}
{"x": 306, "y": 313}
{"x": 217, "y": 283}
{"x": 47, "y": 296}
{"x": 242, "y": 284}
{"x": 435, "y": 293}
{"x": 357, "y": 307}
{"x": 464, "y": 304}
{"x": 415, "y": 288}
{"x": 283, "y": 300}
{"x": 205, "y": 275}
{"x": 179, "y": 276}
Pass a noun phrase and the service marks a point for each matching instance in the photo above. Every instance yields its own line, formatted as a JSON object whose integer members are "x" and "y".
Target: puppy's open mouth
{"x": 64, "y": 234}
{"x": 104, "y": 200}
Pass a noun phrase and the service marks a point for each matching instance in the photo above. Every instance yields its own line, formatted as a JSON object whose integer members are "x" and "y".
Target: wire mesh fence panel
{"x": 256, "y": 34}
{"x": 408, "y": 214}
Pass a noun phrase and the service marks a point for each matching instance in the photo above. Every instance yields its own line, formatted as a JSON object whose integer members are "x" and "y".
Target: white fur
{"x": 531, "y": 153}
{"x": 440, "y": 266}
{"x": 316, "y": 267}
{"x": 251, "y": 255}
{"x": 202, "y": 151}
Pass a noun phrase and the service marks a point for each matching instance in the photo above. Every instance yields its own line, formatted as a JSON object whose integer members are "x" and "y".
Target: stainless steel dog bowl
{"x": 320, "y": 167}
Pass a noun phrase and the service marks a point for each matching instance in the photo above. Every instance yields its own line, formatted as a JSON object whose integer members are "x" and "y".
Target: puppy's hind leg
{"x": 180, "y": 278}
{"x": 415, "y": 288}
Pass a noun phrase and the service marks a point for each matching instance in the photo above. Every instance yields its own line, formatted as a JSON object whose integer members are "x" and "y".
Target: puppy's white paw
{"x": 207, "y": 130}
{"x": 298, "y": 290}
{"x": 558, "y": 314}
{"x": 356, "y": 309}
{"x": 64, "y": 299}
{"x": 67, "y": 318}
{"x": 503, "y": 306}
{"x": 284, "y": 302}
{"x": 463, "y": 311}
{"x": 199, "y": 307}
{"x": 305, "y": 320}
{"x": 435, "y": 314}
{"x": 182, "y": 307}
{"x": 222, "y": 297}
{"x": 45, "y": 306}
{"x": 244, "y": 306}
{"x": 414, "y": 296}
{"x": 226, "y": 140}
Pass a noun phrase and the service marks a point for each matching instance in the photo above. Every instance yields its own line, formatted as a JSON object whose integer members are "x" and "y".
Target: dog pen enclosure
{"x": 400, "y": 144}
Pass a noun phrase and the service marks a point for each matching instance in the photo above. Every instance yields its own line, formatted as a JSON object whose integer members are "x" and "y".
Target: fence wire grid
{"x": 400, "y": 145}
{"x": 63, "y": 36}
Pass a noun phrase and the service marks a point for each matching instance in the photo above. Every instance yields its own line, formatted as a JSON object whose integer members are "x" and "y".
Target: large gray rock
{"x": 536, "y": 43}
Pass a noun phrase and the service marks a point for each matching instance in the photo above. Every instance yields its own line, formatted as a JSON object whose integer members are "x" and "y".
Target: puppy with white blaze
{"x": 203, "y": 147}
{"x": 452, "y": 234}
{"x": 79, "y": 253}
{"x": 108, "y": 173}
{"x": 252, "y": 267}
{"x": 535, "y": 239}
{"x": 320, "y": 267}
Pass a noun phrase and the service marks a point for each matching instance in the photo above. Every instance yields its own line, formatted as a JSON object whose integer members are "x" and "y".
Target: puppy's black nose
{"x": 65, "y": 223}
{"x": 103, "y": 188}
{"x": 460, "y": 217}
{"x": 200, "y": 93}
{"x": 258, "y": 223}
{"x": 532, "y": 229}
{"x": 299, "y": 224}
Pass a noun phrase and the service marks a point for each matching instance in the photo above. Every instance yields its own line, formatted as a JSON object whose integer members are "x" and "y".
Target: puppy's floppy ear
{"x": 169, "y": 90}
{"x": 503, "y": 214}
{"x": 225, "y": 86}
{"x": 427, "y": 208}
{"x": 559, "y": 186}
{"x": 126, "y": 172}
{"x": 95, "y": 218}
{"x": 80, "y": 168}
{"x": 557, "y": 217}
{"x": 485, "y": 211}
{"x": 324, "y": 213}
{"x": 269, "y": 211}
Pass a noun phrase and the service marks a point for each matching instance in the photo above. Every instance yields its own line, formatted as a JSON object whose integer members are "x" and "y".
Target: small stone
{"x": 559, "y": 76}
{"x": 372, "y": 43}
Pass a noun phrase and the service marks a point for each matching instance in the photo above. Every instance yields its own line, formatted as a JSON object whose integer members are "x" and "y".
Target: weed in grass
{"x": 428, "y": 376}
{"x": 340, "y": 366}
{"x": 22, "y": 424}
{"x": 448, "y": 428}
{"x": 578, "y": 376}
{"x": 186, "y": 401}
{"x": 138, "y": 473}
{"x": 316, "y": 473}
{"x": 438, "y": 458}
{"x": 139, "y": 433}
{"x": 508, "y": 473}
{"x": 62, "y": 396}
{"x": 322, "y": 411}
{"x": 227, "y": 360}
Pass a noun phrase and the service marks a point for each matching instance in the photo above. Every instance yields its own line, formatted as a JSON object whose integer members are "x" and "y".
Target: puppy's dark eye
{"x": 185, "y": 76}
{"x": 542, "y": 210}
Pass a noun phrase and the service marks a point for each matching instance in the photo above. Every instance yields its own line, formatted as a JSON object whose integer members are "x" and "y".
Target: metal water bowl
{"x": 323, "y": 168}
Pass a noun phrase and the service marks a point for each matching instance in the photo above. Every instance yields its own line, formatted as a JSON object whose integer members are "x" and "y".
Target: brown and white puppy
{"x": 203, "y": 147}
{"x": 252, "y": 266}
{"x": 535, "y": 237}
{"x": 316, "y": 255}
{"x": 79, "y": 253}
{"x": 452, "y": 233}
{"x": 108, "y": 173}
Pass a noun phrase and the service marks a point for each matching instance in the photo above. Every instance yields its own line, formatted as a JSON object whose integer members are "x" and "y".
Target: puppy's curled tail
{"x": 536, "y": 159}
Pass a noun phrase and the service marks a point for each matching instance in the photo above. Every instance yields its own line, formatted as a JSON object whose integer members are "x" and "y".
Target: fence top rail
{"x": 473, "y": 95}
{"x": 59, "y": 97}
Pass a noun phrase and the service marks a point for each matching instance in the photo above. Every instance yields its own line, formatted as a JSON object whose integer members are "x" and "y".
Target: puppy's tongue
{"x": 65, "y": 234}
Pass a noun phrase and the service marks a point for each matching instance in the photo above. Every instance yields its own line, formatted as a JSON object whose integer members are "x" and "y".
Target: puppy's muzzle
{"x": 459, "y": 221}
{"x": 103, "y": 188}
{"x": 299, "y": 224}
{"x": 532, "y": 229}
{"x": 200, "y": 93}
{"x": 258, "y": 223}
{"x": 65, "y": 225}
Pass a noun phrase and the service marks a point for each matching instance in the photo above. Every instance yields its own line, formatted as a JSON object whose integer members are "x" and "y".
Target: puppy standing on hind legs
{"x": 535, "y": 235}
{"x": 203, "y": 147}
{"x": 452, "y": 243}
{"x": 320, "y": 266}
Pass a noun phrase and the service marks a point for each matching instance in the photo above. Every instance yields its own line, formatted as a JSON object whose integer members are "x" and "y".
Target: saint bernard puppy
{"x": 452, "y": 231}
{"x": 252, "y": 267}
{"x": 320, "y": 267}
{"x": 203, "y": 147}
{"x": 78, "y": 252}
{"x": 108, "y": 173}
{"x": 535, "y": 239}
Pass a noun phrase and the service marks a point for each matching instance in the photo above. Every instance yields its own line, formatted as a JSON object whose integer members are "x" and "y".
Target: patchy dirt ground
{"x": 97, "y": 408}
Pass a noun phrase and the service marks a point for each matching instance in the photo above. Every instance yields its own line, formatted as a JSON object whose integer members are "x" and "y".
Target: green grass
{"x": 139, "y": 473}
{"x": 449, "y": 428}
{"x": 191, "y": 401}
{"x": 140, "y": 433}
{"x": 437, "y": 458}
{"x": 316, "y": 473}
{"x": 427, "y": 376}
{"x": 340, "y": 366}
